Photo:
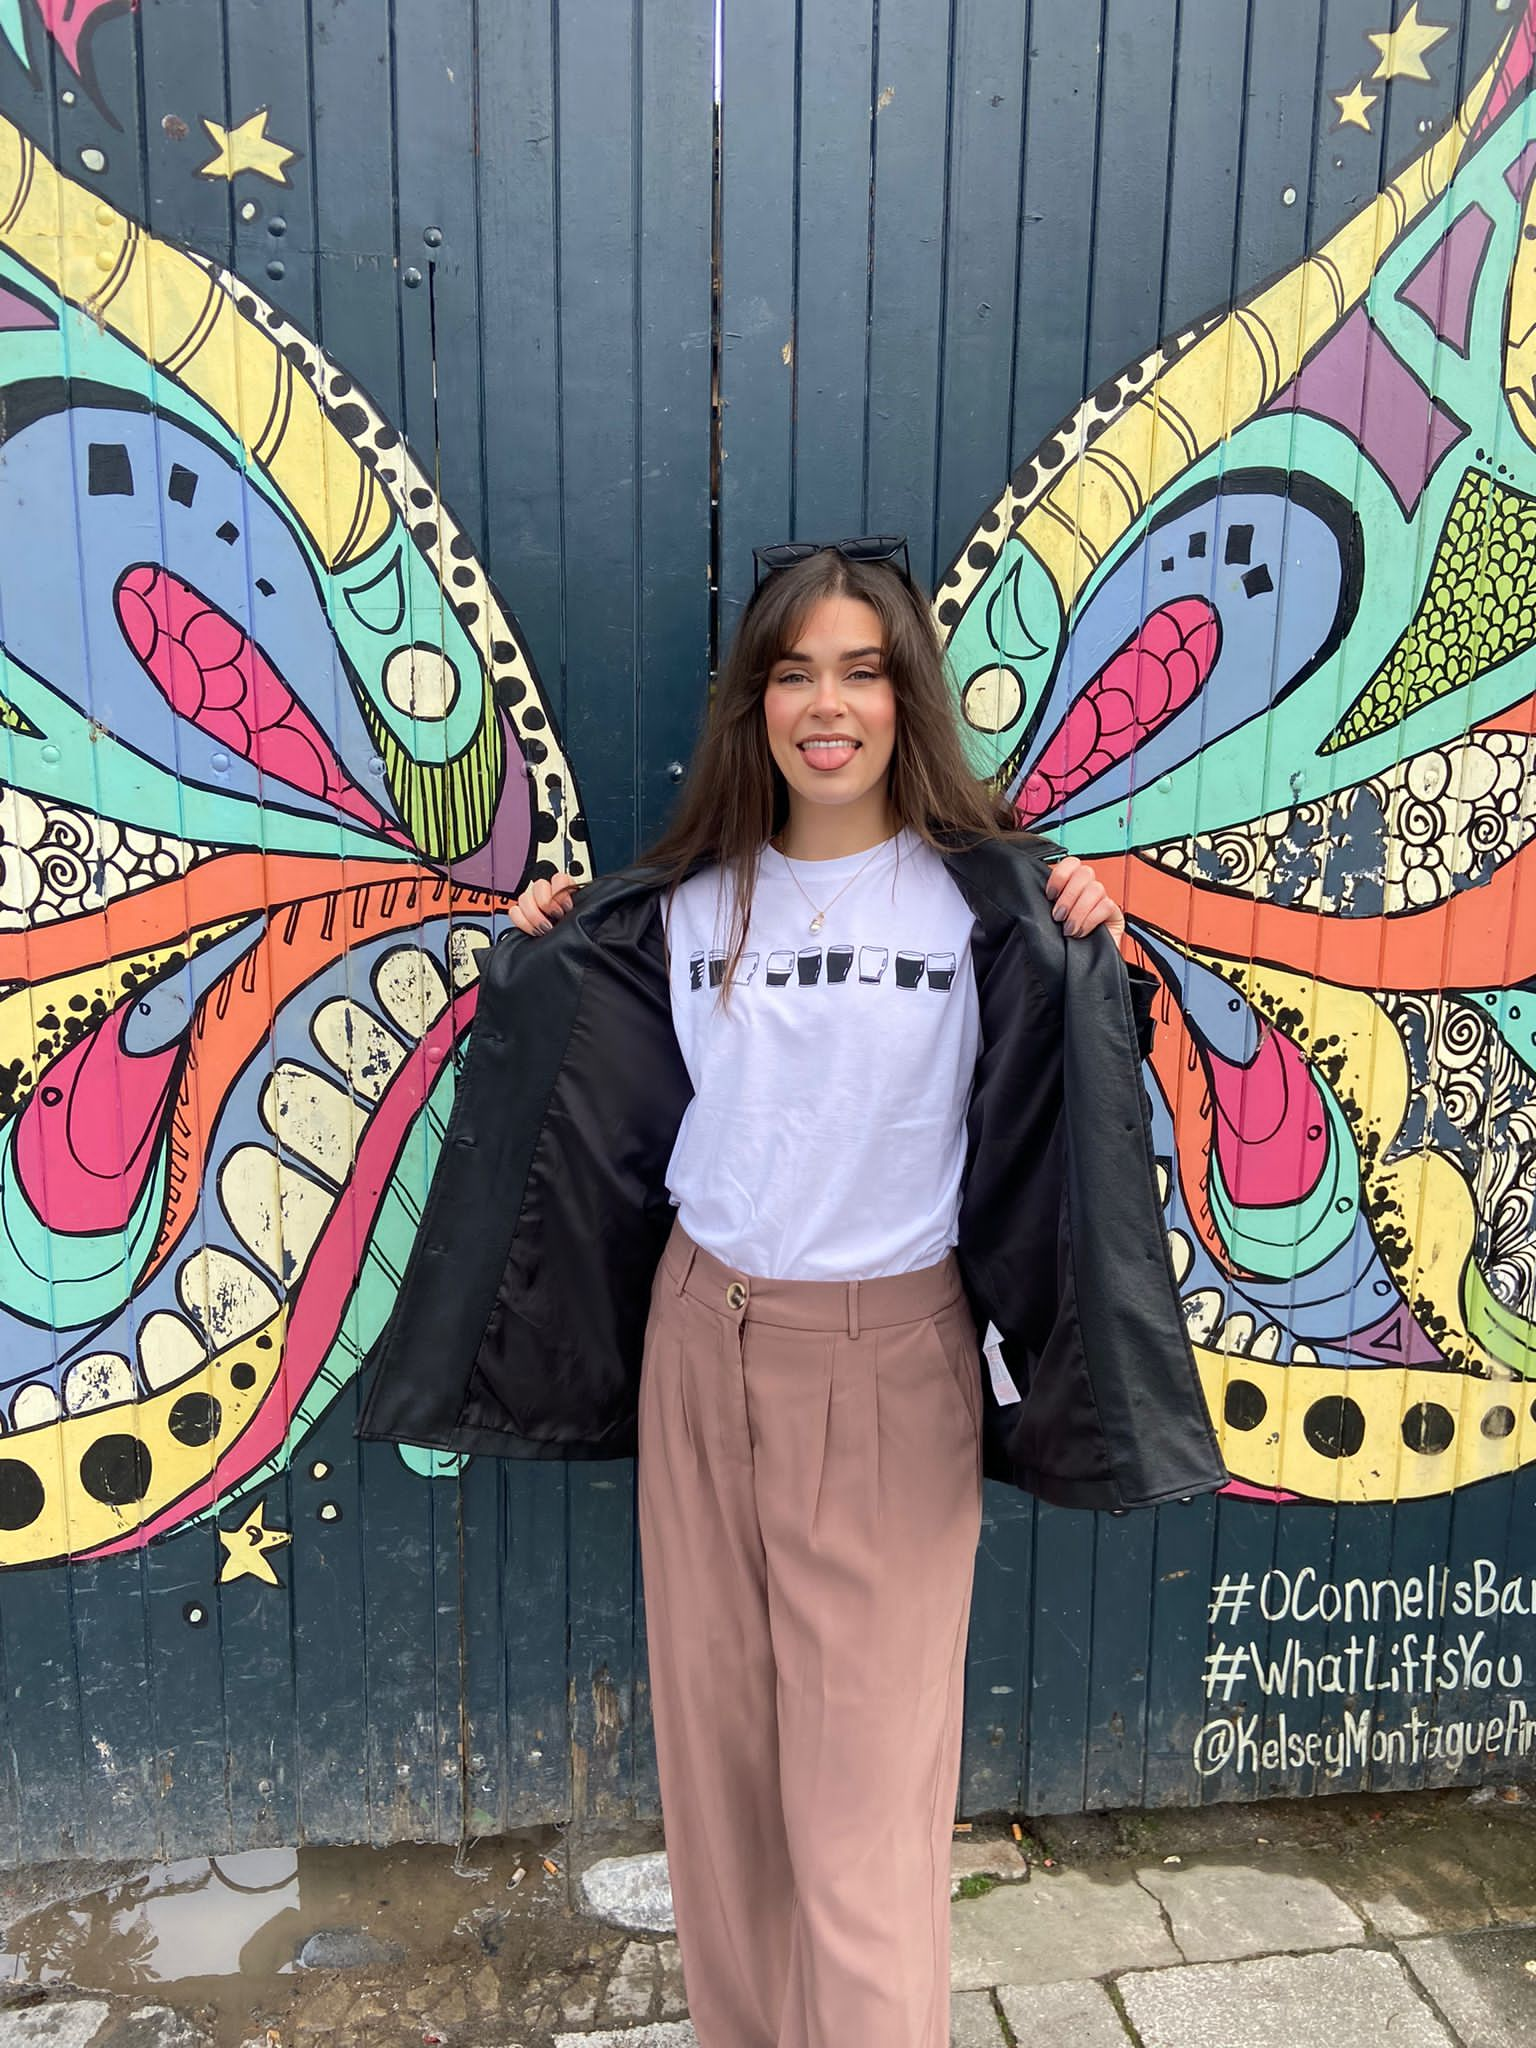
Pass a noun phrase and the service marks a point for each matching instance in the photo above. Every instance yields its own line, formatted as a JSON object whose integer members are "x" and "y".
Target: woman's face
{"x": 830, "y": 707}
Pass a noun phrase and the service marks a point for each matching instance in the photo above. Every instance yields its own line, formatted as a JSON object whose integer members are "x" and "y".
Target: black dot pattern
{"x": 194, "y": 1420}
{"x": 21, "y": 1494}
{"x": 1428, "y": 1427}
{"x": 1334, "y": 1426}
{"x": 116, "y": 1470}
{"x": 1245, "y": 1405}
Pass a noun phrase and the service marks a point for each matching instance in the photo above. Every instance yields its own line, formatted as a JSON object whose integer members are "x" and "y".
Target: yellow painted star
{"x": 246, "y": 148}
{"x": 1402, "y": 48}
{"x": 1352, "y": 106}
{"x": 248, "y": 1546}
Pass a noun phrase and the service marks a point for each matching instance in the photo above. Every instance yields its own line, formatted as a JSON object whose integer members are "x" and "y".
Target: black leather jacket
{"x": 520, "y": 1321}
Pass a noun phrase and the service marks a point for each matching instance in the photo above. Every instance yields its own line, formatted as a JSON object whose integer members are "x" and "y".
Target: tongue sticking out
{"x": 827, "y": 758}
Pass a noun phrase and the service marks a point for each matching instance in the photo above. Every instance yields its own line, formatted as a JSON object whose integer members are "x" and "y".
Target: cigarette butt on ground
{"x": 516, "y": 1878}
{"x": 962, "y": 1827}
{"x": 552, "y": 1868}
{"x": 1018, "y": 1832}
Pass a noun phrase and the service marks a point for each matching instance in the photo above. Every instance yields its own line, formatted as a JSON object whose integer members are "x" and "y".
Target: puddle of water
{"x": 206, "y": 1916}
{"x": 207, "y": 1919}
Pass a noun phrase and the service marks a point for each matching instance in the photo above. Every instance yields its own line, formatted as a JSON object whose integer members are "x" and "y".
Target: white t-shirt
{"x": 826, "y": 1135}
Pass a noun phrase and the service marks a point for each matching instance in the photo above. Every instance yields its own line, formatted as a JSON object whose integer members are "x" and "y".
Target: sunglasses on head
{"x": 869, "y": 547}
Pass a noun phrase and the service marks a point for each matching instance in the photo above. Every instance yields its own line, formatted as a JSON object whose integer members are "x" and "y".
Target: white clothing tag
{"x": 1004, "y": 1392}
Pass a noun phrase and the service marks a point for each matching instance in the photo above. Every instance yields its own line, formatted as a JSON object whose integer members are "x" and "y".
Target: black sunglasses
{"x": 869, "y": 547}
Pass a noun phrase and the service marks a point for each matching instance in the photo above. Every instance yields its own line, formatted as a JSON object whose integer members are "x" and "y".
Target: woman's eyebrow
{"x": 849, "y": 654}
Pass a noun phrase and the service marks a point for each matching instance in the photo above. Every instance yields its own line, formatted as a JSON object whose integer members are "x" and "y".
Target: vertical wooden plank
{"x": 43, "y": 1719}
{"x": 907, "y": 271}
{"x": 1209, "y": 71}
{"x": 1176, "y": 1705}
{"x": 981, "y": 254}
{"x": 998, "y": 1654}
{"x": 1304, "y": 1541}
{"x": 758, "y": 120}
{"x": 1061, "y": 120}
{"x": 829, "y": 333}
{"x": 1125, "y": 262}
{"x": 533, "y": 1575}
{"x": 261, "y": 1690}
{"x": 182, "y": 59}
{"x": 354, "y": 181}
{"x": 185, "y": 1659}
{"x": 1124, "y": 1591}
{"x": 515, "y": 1551}
{"x": 270, "y": 62}
{"x": 1362, "y": 1550}
{"x": 117, "y": 1694}
{"x": 597, "y": 115}
{"x": 600, "y": 1534}
{"x": 1060, "y": 1633}
{"x": 672, "y": 537}
{"x": 521, "y": 363}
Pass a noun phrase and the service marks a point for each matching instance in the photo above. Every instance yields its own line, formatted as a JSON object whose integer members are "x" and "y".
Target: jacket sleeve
{"x": 1063, "y": 1237}
{"x": 421, "y": 1362}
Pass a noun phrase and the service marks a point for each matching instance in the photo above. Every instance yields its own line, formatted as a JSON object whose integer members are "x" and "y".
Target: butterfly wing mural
{"x": 272, "y": 758}
{"x": 1259, "y": 618}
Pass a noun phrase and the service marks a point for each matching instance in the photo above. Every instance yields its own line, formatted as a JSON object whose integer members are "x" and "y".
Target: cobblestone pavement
{"x": 1282, "y": 1925}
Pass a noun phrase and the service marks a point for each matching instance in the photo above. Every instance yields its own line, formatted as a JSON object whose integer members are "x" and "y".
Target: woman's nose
{"x": 829, "y": 695}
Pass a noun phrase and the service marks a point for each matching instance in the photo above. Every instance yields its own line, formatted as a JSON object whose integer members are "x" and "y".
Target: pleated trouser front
{"x": 810, "y": 1501}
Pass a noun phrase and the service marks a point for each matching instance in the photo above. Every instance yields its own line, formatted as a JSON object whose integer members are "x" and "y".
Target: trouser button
{"x": 736, "y": 1295}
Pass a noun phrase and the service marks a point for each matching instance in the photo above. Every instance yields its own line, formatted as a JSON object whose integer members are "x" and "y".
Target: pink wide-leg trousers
{"x": 810, "y": 1501}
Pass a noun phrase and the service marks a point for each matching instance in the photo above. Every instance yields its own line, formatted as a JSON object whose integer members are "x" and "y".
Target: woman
{"x": 743, "y": 1156}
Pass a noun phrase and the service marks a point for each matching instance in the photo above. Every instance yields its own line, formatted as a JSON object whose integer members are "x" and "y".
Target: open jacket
{"x": 520, "y": 1321}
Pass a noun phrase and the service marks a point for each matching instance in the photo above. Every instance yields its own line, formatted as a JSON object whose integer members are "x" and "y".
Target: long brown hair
{"x": 735, "y": 799}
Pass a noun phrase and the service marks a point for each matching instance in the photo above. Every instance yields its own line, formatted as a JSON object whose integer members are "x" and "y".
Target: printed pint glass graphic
{"x": 872, "y": 961}
{"x": 941, "y": 970}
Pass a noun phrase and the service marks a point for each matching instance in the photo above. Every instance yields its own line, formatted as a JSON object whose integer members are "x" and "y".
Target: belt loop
{"x": 853, "y": 1308}
{"x": 682, "y": 1278}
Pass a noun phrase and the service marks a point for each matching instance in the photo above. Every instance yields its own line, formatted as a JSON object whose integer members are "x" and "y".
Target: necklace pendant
{"x": 818, "y": 920}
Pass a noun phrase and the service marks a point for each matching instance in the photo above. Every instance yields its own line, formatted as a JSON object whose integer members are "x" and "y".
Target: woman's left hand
{"x": 1080, "y": 901}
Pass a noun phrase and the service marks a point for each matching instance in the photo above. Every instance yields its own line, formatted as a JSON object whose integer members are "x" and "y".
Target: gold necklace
{"x": 820, "y": 916}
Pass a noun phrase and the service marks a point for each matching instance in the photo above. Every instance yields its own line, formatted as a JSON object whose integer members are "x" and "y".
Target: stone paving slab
{"x": 1080, "y": 2014}
{"x": 1061, "y": 1924}
{"x": 666, "y": 2034}
{"x": 1000, "y": 1859}
{"x": 1502, "y": 1852}
{"x": 630, "y": 1891}
{"x": 1282, "y": 2002}
{"x": 1220, "y": 1911}
{"x": 69, "y": 2024}
{"x": 1436, "y": 1892}
{"x": 973, "y": 2021}
{"x": 1481, "y": 1982}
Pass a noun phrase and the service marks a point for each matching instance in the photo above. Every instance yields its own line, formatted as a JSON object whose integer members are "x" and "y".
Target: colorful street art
{"x": 259, "y": 812}
{"x": 1259, "y": 616}
{"x": 1256, "y": 624}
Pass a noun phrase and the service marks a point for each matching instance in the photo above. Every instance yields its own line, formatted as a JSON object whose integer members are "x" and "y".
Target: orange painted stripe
{"x": 211, "y": 892}
{"x": 1471, "y": 940}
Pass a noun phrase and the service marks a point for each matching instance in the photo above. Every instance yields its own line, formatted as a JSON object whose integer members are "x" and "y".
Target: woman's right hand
{"x": 543, "y": 903}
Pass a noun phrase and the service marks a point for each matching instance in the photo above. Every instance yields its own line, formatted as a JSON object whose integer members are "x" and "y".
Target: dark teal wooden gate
{"x": 390, "y": 397}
